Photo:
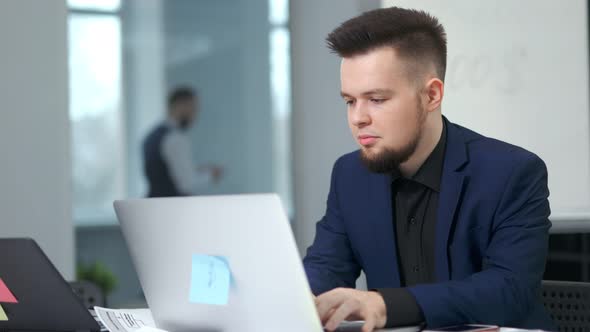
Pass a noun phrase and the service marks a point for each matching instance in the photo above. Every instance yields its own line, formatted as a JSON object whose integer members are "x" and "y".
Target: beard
{"x": 184, "y": 124}
{"x": 388, "y": 160}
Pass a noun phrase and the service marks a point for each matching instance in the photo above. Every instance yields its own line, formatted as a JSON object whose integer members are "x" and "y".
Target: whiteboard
{"x": 518, "y": 71}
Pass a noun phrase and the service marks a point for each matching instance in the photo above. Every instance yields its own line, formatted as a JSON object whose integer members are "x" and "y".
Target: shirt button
{"x": 416, "y": 269}
{"x": 412, "y": 221}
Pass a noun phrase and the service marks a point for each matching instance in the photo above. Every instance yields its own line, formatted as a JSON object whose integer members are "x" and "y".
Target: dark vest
{"x": 155, "y": 168}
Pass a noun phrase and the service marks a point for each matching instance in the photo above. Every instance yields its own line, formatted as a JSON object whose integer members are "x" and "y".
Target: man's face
{"x": 184, "y": 112}
{"x": 385, "y": 115}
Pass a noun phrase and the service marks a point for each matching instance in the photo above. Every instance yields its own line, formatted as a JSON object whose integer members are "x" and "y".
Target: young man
{"x": 167, "y": 151}
{"x": 449, "y": 226}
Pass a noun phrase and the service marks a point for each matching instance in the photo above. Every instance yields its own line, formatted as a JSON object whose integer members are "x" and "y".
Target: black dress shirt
{"x": 415, "y": 203}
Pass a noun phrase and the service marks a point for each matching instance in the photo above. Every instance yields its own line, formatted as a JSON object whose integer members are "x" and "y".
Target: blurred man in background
{"x": 167, "y": 151}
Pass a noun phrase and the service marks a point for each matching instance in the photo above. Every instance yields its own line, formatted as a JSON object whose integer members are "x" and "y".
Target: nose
{"x": 358, "y": 115}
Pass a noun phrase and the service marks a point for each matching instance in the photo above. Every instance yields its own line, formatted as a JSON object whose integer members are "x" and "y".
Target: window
{"x": 97, "y": 122}
{"x": 280, "y": 83}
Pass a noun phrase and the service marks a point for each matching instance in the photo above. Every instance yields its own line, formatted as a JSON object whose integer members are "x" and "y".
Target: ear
{"x": 434, "y": 92}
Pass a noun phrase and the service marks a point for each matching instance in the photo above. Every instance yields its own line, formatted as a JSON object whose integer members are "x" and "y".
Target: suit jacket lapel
{"x": 452, "y": 185}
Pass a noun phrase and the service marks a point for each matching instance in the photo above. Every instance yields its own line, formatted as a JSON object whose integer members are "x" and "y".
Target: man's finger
{"x": 328, "y": 301}
{"x": 346, "y": 309}
{"x": 370, "y": 322}
{"x": 328, "y": 315}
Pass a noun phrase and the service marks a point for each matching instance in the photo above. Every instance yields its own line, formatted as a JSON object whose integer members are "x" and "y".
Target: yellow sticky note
{"x": 3, "y": 316}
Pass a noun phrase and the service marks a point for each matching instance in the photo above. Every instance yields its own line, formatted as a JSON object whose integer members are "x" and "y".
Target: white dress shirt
{"x": 177, "y": 153}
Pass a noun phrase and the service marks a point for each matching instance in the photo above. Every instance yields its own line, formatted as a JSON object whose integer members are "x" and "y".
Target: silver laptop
{"x": 218, "y": 263}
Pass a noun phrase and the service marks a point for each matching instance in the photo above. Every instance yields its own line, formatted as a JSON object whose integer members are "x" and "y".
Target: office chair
{"x": 568, "y": 303}
{"x": 89, "y": 293}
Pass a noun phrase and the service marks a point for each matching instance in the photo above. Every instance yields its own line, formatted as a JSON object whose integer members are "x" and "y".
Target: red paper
{"x": 5, "y": 294}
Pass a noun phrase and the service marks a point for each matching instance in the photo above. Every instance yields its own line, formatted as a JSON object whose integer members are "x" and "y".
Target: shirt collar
{"x": 171, "y": 123}
{"x": 430, "y": 173}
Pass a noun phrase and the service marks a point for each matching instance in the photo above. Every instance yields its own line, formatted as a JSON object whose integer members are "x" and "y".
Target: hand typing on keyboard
{"x": 342, "y": 304}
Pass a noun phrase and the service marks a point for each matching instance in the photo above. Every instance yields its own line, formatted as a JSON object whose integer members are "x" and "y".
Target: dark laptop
{"x": 45, "y": 301}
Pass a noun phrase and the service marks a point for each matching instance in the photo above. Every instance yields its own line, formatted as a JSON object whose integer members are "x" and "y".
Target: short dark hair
{"x": 416, "y": 36}
{"x": 180, "y": 93}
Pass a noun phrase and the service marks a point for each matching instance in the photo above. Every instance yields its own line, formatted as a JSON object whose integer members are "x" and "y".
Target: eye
{"x": 377, "y": 100}
{"x": 349, "y": 102}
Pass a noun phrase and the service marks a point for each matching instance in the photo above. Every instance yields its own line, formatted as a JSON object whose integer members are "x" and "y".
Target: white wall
{"x": 35, "y": 184}
{"x": 518, "y": 71}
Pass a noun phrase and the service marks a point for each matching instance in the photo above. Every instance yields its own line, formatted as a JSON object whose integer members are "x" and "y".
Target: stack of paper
{"x": 127, "y": 320}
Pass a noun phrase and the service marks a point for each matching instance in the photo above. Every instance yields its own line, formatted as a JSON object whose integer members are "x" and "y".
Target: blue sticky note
{"x": 210, "y": 280}
{"x": 231, "y": 276}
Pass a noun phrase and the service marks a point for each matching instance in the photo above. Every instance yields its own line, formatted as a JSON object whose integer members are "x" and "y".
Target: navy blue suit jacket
{"x": 491, "y": 234}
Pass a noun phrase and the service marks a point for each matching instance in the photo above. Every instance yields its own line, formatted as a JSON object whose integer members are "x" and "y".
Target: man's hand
{"x": 351, "y": 304}
{"x": 215, "y": 171}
